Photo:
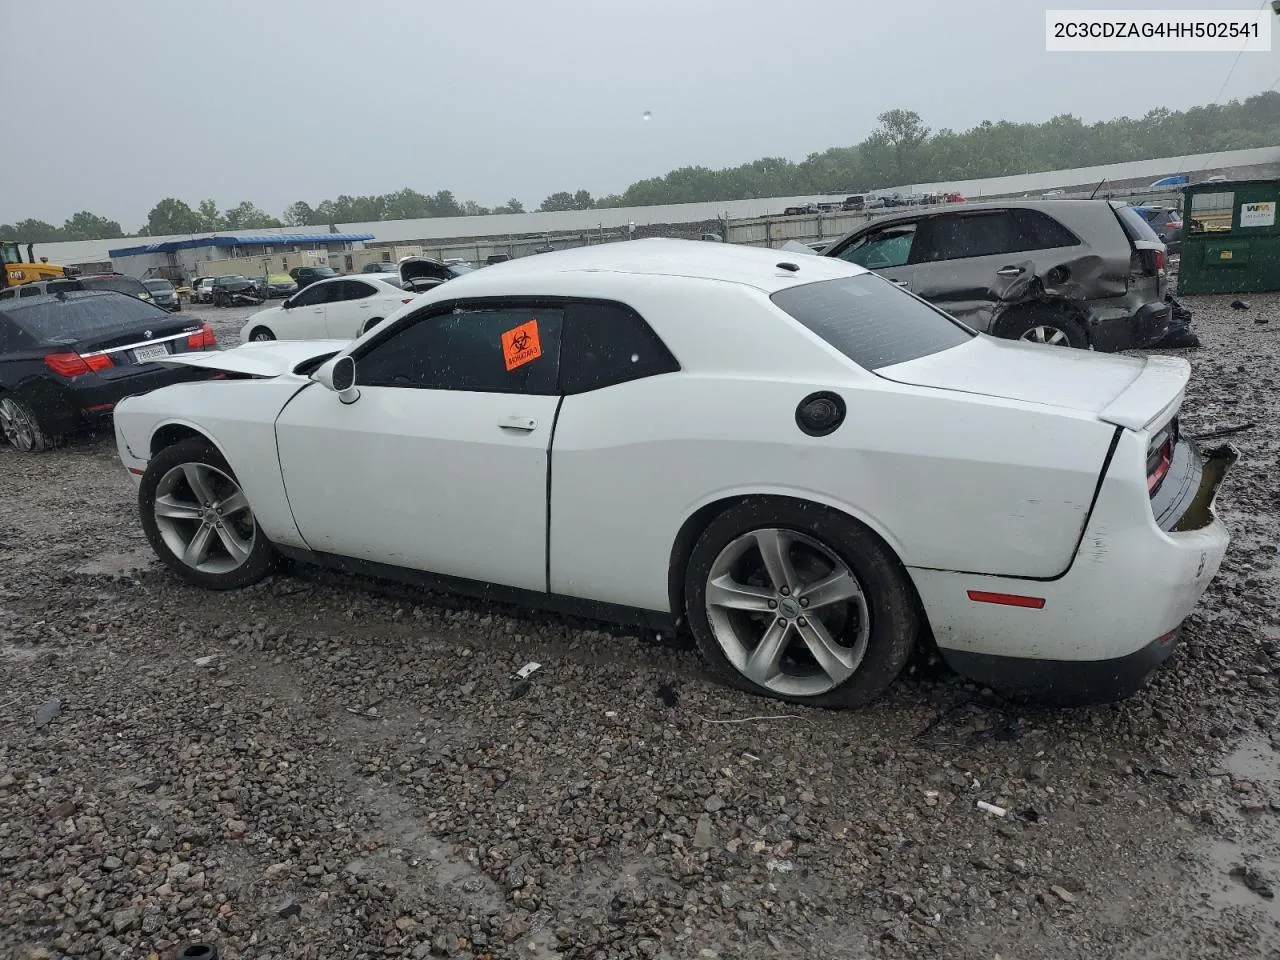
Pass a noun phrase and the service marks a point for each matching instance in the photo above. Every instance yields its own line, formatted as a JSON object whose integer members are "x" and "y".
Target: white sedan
{"x": 337, "y": 308}
{"x": 809, "y": 467}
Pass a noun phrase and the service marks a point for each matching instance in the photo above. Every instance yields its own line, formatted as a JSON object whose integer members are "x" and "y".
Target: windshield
{"x": 871, "y": 321}
{"x": 11, "y": 252}
{"x": 458, "y": 269}
{"x": 76, "y": 317}
{"x": 224, "y": 281}
{"x": 322, "y": 271}
{"x": 158, "y": 286}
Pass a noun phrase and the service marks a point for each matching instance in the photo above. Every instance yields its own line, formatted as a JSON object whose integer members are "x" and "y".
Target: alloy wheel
{"x": 1044, "y": 333}
{"x": 16, "y": 425}
{"x": 204, "y": 518}
{"x": 262, "y": 336}
{"x": 788, "y": 613}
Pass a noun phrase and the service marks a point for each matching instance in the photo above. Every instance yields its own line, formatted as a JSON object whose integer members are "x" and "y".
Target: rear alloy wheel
{"x": 1050, "y": 327}
{"x": 199, "y": 521}
{"x": 799, "y": 603}
{"x": 261, "y": 335}
{"x": 19, "y": 425}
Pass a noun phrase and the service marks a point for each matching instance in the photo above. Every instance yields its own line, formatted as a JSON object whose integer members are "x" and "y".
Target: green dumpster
{"x": 1230, "y": 237}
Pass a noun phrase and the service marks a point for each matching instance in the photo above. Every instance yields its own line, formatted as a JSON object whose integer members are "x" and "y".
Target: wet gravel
{"x": 322, "y": 767}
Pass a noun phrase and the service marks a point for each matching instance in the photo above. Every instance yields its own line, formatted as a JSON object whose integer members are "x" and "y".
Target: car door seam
{"x": 284, "y": 484}
{"x": 551, "y": 439}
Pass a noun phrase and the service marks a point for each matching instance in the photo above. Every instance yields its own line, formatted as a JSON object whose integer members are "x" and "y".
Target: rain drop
{"x": 646, "y": 115}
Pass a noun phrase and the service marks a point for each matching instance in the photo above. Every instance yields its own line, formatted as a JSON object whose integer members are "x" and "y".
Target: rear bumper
{"x": 1066, "y": 682}
{"x": 64, "y": 405}
{"x": 1147, "y": 326}
{"x": 1107, "y": 623}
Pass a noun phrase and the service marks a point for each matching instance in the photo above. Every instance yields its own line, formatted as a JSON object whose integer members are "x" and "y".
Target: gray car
{"x": 1080, "y": 273}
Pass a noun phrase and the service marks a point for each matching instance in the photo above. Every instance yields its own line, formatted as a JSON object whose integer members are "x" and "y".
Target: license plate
{"x": 147, "y": 354}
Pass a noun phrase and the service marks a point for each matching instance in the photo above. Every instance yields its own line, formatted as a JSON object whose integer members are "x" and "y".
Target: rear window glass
{"x": 118, "y": 284}
{"x": 871, "y": 321}
{"x": 1135, "y": 227}
{"x": 73, "y": 318}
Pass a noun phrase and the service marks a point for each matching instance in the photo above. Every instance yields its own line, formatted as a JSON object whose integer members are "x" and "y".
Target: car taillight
{"x": 1173, "y": 225}
{"x": 1160, "y": 456}
{"x": 205, "y": 339}
{"x": 407, "y": 300}
{"x": 74, "y": 365}
{"x": 1159, "y": 260}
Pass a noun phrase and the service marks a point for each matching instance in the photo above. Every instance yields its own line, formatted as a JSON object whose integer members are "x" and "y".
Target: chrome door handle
{"x": 518, "y": 423}
{"x": 903, "y": 283}
{"x": 1009, "y": 271}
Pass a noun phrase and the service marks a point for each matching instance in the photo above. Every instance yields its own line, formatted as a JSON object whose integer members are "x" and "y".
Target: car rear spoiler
{"x": 1153, "y": 397}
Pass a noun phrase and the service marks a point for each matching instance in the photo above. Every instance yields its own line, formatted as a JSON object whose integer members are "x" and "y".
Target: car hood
{"x": 1124, "y": 391}
{"x": 266, "y": 359}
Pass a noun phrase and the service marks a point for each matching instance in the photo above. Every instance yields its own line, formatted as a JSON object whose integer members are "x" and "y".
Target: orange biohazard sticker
{"x": 521, "y": 344}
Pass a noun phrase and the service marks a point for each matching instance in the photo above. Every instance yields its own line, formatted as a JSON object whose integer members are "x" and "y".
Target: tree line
{"x": 900, "y": 151}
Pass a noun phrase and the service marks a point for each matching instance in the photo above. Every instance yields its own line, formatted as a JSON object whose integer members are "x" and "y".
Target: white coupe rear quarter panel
{"x": 951, "y": 481}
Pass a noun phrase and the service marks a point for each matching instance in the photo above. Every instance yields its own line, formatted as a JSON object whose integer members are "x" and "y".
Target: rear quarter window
{"x": 871, "y": 321}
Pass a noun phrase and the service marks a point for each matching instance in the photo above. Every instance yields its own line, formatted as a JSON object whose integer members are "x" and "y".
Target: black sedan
{"x": 163, "y": 295}
{"x": 67, "y": 358}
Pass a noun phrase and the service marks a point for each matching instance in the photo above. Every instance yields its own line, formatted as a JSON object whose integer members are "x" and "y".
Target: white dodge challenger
{"x": 807, "y": 466}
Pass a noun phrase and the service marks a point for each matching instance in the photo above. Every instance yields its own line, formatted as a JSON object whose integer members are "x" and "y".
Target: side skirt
{"x": 657, "y": 620}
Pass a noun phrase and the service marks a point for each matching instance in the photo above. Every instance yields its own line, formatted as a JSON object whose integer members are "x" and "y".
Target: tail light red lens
{"x": 1159, "y": 259}
{"x": 74, "y": 365}
{"x": 205, "y": 339}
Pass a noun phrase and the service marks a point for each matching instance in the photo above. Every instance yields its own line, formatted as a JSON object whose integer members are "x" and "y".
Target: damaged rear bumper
{"x": 1098, "y": 632}
{"x": 1110, "y": 331}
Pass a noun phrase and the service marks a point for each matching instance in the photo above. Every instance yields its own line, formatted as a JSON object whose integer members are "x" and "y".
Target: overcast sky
{"x": 123, "y": 103}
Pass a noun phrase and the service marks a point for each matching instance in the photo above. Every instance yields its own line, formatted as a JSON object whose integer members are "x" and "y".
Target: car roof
{"x": 690, "y": 259}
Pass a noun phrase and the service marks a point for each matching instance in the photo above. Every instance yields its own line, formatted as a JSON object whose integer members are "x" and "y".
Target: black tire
{"x": 261, "y": 334}
{"x": 370, "y": 325}
{"x": 1020, "y": 324}
{"x": 261, "y": 556}
{"x": 893, "y": 610}
{"x": 21, "y": 428}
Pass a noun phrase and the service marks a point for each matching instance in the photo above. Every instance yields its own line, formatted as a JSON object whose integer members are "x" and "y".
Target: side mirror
{"x": 339, "y": 376}
{"x": 286, "y": 304}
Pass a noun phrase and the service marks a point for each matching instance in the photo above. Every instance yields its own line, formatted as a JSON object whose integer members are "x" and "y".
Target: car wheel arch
{"x": 1046, "y": 304}
{"x": 167, "y": 434}
{"x": 701, "y": 517}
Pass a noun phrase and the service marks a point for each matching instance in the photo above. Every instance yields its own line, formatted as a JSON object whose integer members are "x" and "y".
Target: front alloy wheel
{"x": 198, "y": 519}
{"x": 204, "y": 518}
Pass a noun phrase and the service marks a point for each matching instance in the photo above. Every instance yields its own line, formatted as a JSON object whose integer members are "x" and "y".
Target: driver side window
{"x": 882, "y": 249}
{"x": 497, "y": 350}
{"x": 311, "y": 296}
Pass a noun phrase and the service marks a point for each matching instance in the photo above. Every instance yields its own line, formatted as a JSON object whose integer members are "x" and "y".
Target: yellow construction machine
{"x": 19, "y": 269}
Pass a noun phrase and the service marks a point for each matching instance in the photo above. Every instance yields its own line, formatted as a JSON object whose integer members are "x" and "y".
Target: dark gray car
{"x": 1080, "y": 273}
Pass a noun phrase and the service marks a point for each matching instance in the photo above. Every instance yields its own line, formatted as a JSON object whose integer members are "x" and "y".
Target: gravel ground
{"x": 321, "y": 767}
